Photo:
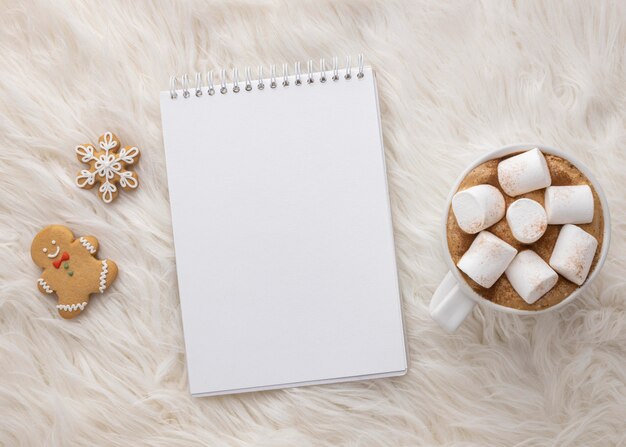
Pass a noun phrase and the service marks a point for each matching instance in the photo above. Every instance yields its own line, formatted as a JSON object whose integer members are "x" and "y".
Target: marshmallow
{"x": 527, "y": 220}
{"x": 478, "y": 207}
{"x": 573, "y": 253}
{"x": 569, "y": 204}
{"x": 486, "y": 259}
{"x": 530, "y": 276}
{"x": 524, "y": 173}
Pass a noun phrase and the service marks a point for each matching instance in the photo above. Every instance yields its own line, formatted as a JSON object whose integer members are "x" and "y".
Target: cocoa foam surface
{"x": 563, "y": 173}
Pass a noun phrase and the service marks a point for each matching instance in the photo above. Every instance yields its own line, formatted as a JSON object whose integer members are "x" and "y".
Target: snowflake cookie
{"x": 70, "y": 268}
{"x": 107, "y": 166}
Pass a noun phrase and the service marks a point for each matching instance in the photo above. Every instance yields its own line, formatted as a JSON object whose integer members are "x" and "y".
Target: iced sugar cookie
{"x": 70, "y": 268}
{"x": 108, "y": 166}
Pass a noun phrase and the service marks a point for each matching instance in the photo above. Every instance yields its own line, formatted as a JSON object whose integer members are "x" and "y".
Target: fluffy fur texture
{"x": 455, "y": 79}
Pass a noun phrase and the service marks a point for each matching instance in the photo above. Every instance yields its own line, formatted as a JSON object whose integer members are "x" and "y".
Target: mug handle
{"x": 450, "y": 305}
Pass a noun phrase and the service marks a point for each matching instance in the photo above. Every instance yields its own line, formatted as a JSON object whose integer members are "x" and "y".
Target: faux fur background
{"x": 456, "y": 78}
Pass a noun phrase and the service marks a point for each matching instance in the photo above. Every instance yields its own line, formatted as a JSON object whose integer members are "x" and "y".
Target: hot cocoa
{"x": 562, "y": 173}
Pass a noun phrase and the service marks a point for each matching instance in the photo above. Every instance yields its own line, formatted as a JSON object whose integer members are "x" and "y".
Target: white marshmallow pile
{"x": 524, "y": 173}
{"x": 530, "y": 276}
{"x": 527, "y": 220}
{"x": 573, "y": 253}
{"x": 478, "y": 207}
{"x": 569, "y": 204}
{"x": 486, "y": 259}
{"x": 481, "y": 206}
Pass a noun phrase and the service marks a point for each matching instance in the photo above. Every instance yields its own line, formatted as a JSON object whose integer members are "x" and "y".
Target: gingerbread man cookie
{"x": 70, "y": 268}
{"x": 108, "y": 165}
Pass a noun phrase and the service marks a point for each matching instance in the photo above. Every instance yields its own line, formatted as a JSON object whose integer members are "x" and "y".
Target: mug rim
{"x": 501, "y": 152}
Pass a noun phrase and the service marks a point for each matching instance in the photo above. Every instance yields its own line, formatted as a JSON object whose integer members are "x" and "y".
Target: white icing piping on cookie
{"x": 103, "y": 276}
{"x": 90, "y": 248}
{"x": 72, "y": 307}
{"x": 44, "y": 285}
{"x": 107, "y": 166}
{"x": 108, "y": 142}
{"x": 55, "y": 253}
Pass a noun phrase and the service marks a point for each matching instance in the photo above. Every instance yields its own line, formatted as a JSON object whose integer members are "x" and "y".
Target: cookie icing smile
{"x": 55, "y": 254}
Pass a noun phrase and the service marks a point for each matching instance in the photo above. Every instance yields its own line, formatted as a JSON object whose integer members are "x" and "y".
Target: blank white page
{"x": 283, "y": 236}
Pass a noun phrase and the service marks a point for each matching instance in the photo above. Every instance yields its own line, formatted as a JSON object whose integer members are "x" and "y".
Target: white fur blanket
{"x": 455, "y": 79}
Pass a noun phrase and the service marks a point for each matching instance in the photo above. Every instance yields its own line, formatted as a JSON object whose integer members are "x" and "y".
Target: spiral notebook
{"x": 282, "y": 228}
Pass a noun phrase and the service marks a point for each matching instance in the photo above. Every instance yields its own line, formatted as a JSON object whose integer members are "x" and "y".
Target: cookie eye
{"x": 45, "y": 250}
{"x": 54, "y": 242}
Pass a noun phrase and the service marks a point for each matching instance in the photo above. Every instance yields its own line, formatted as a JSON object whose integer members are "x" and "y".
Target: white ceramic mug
{"x": 454, "y": 299}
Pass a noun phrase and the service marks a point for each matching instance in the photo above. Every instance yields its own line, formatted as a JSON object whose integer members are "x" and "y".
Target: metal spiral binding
{"x": 249, "y": 82}
{"x": 223, "y": 89}
{"x": 335, "y": 68}
{"x": 285, "y": 75}
{"x": 298, "y": 73}
{"x": 309, "y": 69}
{"x": 209, "y": 80}
{"x": 185, "y": 80}
{"x": 235, "y": 80}
{"x": 198, "y": 84}
{"x": 260, "y": 85}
